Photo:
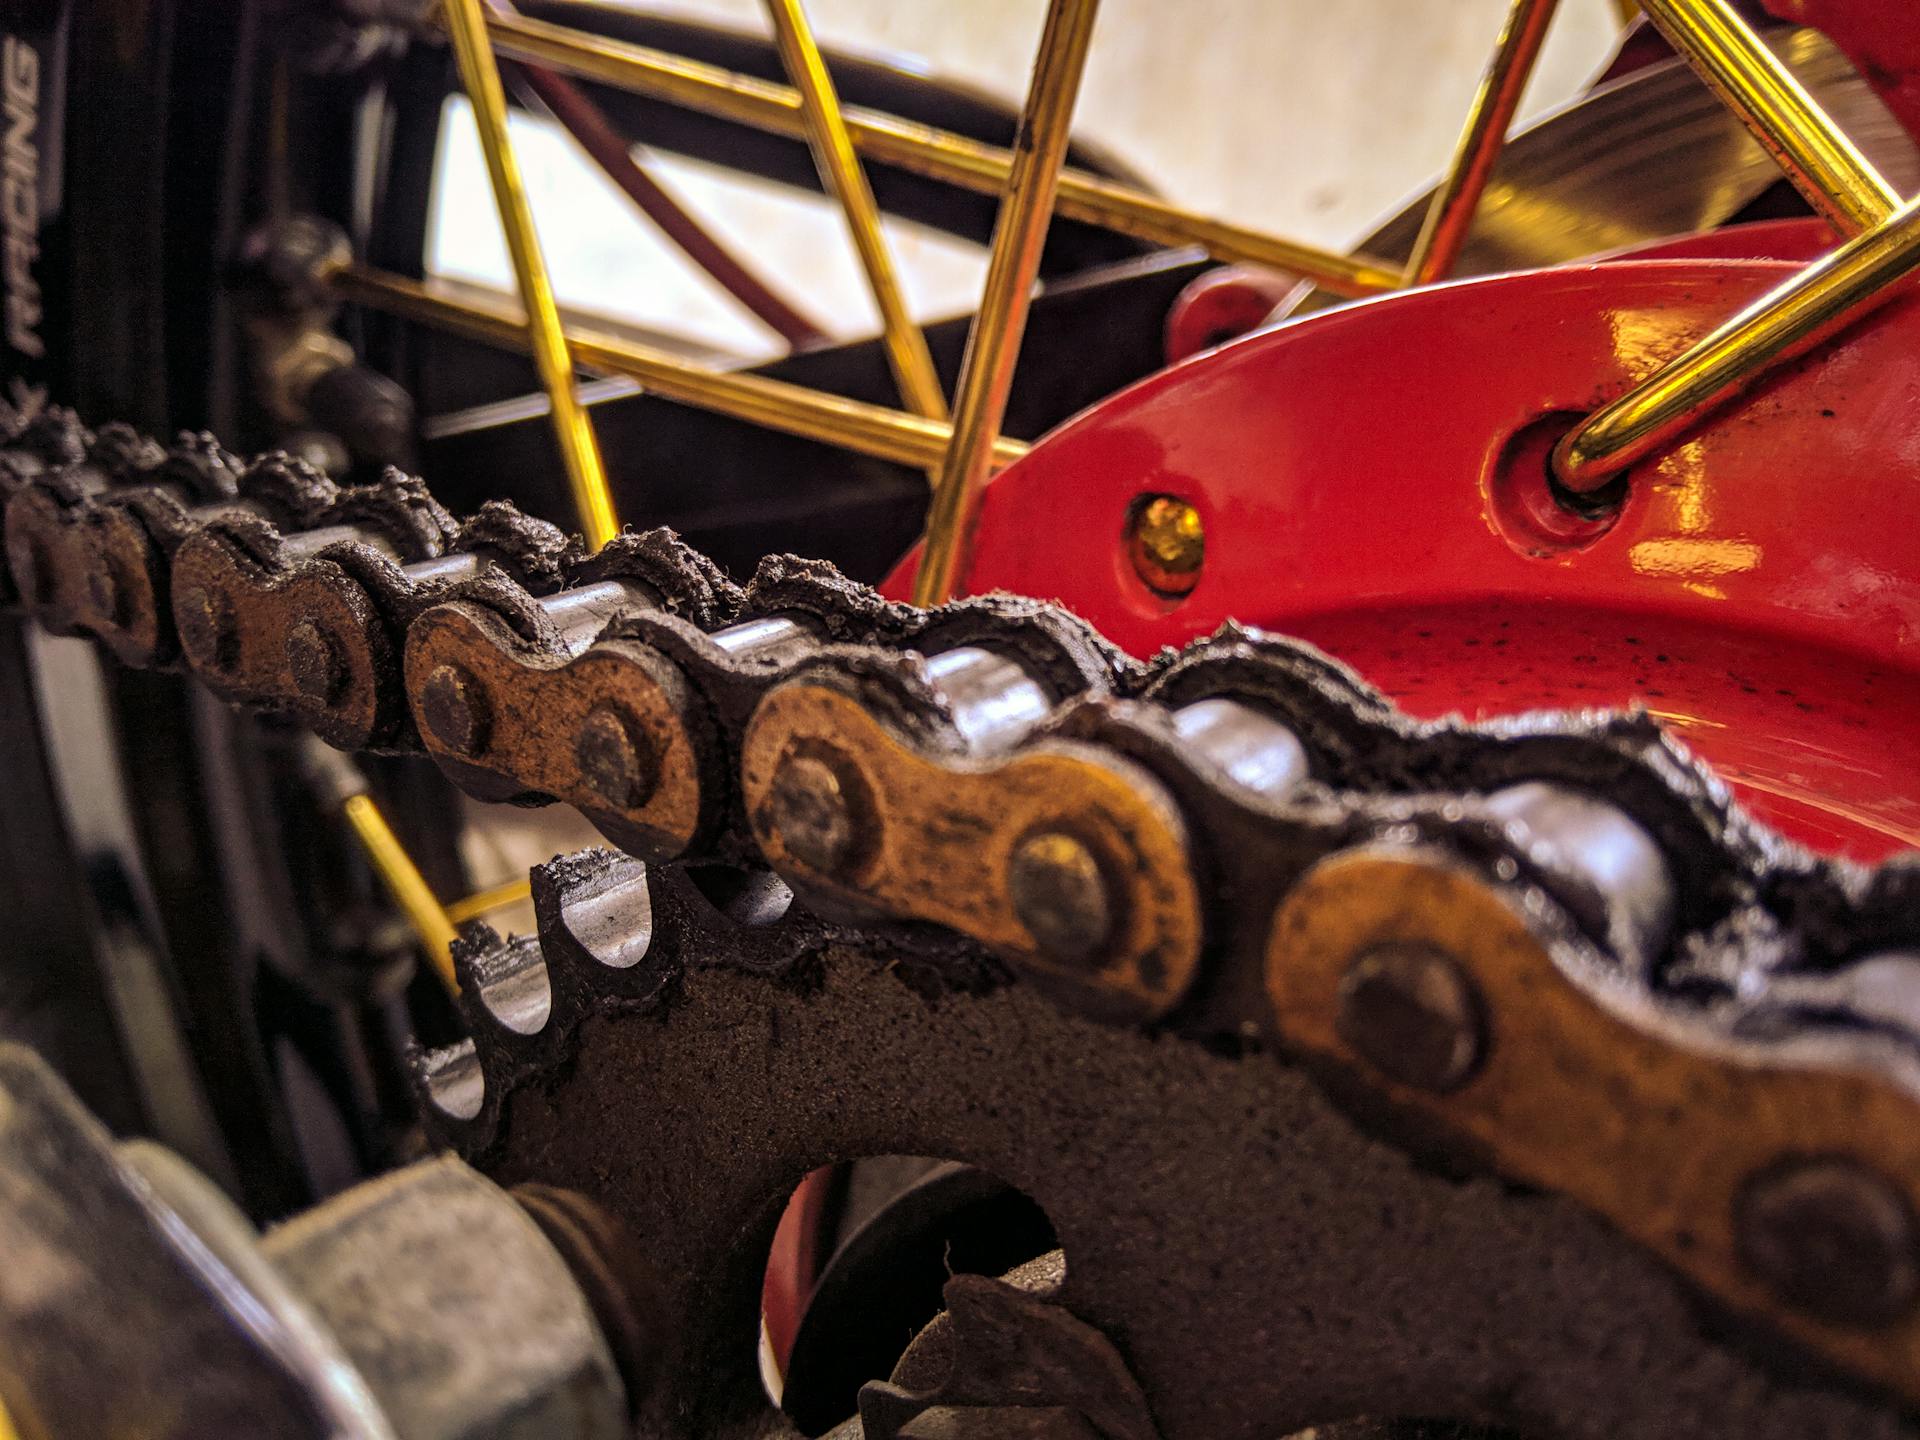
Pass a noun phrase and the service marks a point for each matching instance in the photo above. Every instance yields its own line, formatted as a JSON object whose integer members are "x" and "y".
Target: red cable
{"x": 609, "y": 150}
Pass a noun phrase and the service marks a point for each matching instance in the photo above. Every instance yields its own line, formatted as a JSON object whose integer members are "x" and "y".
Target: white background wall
{"x": 1308, "y": 117}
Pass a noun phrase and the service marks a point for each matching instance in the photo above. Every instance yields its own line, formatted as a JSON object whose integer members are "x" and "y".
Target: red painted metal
{"x": 1223, "y": 305}
{"x": 794, "y": 1263}
{"x": 1362, "y": 487}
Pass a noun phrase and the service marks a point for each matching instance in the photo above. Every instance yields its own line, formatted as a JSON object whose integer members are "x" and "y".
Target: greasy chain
{"x": 1552, "y": 939}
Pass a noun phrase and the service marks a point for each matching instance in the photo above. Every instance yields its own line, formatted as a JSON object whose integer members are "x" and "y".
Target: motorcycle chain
{"x": 1552, "y": 939}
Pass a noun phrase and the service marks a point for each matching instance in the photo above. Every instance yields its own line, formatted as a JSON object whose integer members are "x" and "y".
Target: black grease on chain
{"x": 531, "y": 550}
{"x": 684, "y": 582}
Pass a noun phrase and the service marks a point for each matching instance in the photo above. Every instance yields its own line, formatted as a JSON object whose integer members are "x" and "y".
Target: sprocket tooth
{"x": 507, "y": 1000}
{"x": 459, "y": 1105}
{"x": 597, "y": 928}
{"x": 740, "y": 916}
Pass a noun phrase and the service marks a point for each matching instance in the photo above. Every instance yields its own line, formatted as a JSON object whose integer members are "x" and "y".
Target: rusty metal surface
{"x": 1254, "y": 1241}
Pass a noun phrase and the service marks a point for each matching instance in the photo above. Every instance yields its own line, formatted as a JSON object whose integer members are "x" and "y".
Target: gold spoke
{"x": 466, "y": 24}
{"x": 406, "y": 884}
{"x": 792, "y": 409}
{"x": 840, "y": 172}
{"x": 993, "y": 342}
{"x": 482, "y": 902}
{"x": 1450, "y": 215}
{"x": 924, "y": 150}
{"x": 1814, "y": 305}
{"x": 1823, "y": 164}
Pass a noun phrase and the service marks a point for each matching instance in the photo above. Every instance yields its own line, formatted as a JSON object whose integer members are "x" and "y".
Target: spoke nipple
{"x": 314, "y": 661}
{"x": 1060, "y": 894}
{"x": 615, "y": 766}
{"x": 455, "y": 709}
{"x": 1167, "y": 544}
{"x": 1832, "y": 1238}
{"x": 1411, "y": 1011}
{"x": 811, "y": 806}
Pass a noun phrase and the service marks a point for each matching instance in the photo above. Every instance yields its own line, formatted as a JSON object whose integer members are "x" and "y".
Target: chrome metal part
{"x": 464, "y": 1319}
{"x": 992, "y": 700}
{"x": 424, "y": 1305}
{"x": 1247, "y": 746}
{"x": 772, "y": 639}
{"x": 1628, "y": 884}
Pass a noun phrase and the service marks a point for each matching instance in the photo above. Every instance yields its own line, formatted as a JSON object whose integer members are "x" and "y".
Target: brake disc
{"x": 1646, "y": 156}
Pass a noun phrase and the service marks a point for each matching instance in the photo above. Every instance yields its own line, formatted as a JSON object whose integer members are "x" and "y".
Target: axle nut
{"x": 1411, "y": 1011}
{"x": 615, "y": 766}
{"x": 1060, "y": 894}
{"x": 1832, "y": 1238}
{"x": 455, "y": 710}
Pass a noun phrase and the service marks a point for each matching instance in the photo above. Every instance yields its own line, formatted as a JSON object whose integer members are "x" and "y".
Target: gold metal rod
{"x": 481, "y": 902}
{"x": 1450, "y": 213}
{"x": 924, "y": 150}
{"x": 792, "y": 409}
{"x": 1823, "y": 164}
{"x": 466, "y": 24}
{"x": 406, "y": 884}
{"x": 993, "y": 341}
{"x": 1814, "y": 305}
{"x": 840, "y": 172}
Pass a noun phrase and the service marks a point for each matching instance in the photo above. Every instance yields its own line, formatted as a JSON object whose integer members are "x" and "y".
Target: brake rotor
{"x": 1647, "y": 156}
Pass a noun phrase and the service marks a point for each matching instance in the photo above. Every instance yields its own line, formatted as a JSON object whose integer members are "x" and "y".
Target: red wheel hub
{"x": 1373, "y": 481}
